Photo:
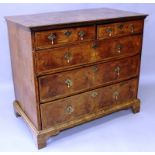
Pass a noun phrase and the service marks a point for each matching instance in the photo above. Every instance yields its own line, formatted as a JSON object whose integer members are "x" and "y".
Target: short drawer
{"x": 119, "y": 29}
{"x": 66, "y": 83}
{"x": 52, "y": 38}
{"x": 88, "y": 52}
{"x": 74, "y": 107}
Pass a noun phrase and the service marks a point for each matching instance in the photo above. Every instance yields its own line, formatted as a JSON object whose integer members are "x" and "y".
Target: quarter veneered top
{"x": 70, "y": 17}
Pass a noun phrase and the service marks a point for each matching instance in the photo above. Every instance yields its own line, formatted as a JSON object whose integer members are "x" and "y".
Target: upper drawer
{"x": 119, "y": 29}
{"x": 66, "y": 83}
{"x": 74, "y": 107}
{"x": 49, "y": 39}
{"x": 87, "y": 52}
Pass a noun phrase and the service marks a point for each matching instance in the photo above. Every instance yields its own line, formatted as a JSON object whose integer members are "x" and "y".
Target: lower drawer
{"x": 67, "y": 83}
{"x": 67, "y": 109}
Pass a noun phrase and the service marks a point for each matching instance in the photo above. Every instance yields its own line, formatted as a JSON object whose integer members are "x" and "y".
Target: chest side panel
{"x": 23, "y": 71}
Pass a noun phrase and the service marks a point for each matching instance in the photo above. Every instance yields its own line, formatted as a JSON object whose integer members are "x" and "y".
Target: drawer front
{"x": 118, "y": 47}
{"x": 63, "y": 57}
{"x": 50, "y": 60}
{"x": 119, "y": 29}
{"x": 66, "y": 83}
{"x": 68, "y": 109}
{"x": 52, "y": 38}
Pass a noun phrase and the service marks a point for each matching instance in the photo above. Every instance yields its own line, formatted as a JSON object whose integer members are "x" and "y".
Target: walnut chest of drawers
{"x": 75, "y": 66}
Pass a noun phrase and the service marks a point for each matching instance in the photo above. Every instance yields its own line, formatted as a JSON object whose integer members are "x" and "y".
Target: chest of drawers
{"x": 75, "y": 66}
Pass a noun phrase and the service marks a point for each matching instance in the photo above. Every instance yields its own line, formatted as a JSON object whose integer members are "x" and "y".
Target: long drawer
{"x": 67, "y": 109}
{"x": 88, "y": 52}
{"x": 66, "y": 83}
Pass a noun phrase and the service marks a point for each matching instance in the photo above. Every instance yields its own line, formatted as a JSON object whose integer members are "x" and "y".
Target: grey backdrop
{"x": 126, "y": 133}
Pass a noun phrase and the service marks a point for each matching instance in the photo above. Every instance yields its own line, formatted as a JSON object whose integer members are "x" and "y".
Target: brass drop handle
{"x": 109, "y": 31}
{"x": 117, "y": 71}
{"x": 69, "y": 83}
{"x": 69, "y": 109}
{"x": 94, "y": 94}
{"x": 119, "y": 47}
{"x": 94, "y": 68}
{"x": 52, "y": 37}
{"x": 132, "y": 28}
{"x": 116, "y": 95}
{"x": 82, "y": 34}
{"x": 67, "y": 33}
{"x": 68, "y": 56}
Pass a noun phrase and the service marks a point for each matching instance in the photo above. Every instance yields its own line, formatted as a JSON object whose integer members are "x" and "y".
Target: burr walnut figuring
{"x": 75, "y": 66}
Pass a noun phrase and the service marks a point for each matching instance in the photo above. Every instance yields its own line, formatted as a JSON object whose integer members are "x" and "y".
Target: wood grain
{"x": 54, "y": 86}
{"x": 76, "y": 16}
{"x": 42, "y": 41}
{"x": 119, "y": 29}
{"x": 75, "y": 66}
{"x": 77, "y": 106}
{"x": 42, "y": 136}
{"x": 23, "y": 73}
{"x": 79, "y": 54}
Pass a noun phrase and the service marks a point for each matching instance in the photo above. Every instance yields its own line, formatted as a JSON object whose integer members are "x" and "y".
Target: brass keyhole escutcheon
{"x": 94, "y": 45}
{"x": 67, "y": 33}
{"x": 69, "y": 109}
{"x": 94, "y": 69}
{"x": 69, "y": 83}
{"x": 120, "y": 26}
{"x": 94, "y": 94}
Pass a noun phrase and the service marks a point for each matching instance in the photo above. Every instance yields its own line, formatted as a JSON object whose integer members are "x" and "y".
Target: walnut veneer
{"x": 75, "y": 66}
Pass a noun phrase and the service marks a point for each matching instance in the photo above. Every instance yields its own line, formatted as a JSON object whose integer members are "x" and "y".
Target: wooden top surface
{"x": 69, "y": 17}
